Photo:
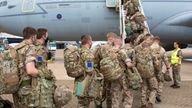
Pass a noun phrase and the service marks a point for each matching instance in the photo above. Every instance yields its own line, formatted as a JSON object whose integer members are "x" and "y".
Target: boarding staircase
{"x": 124, "y": 18}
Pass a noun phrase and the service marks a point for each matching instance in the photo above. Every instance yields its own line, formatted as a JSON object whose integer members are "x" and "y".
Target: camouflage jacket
{"x": 26, "y": 54}
{"x": 41, "y": 53}
{"x": 41, "y": 61}
{"x": 129, "y": 51}
{"x": 123, "y": 57}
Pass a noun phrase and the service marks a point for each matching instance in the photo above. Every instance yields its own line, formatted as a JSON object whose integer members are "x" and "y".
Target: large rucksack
{"x": 144, "y": 63}
{"x": 110, "y": 65}
{"x": 9, "y": 79}
{"x": 73, "y": 62}
{"x": 134, "y": 78}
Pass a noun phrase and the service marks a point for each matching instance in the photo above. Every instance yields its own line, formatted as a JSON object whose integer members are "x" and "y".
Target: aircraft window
{"x": 111, "y": 3}
{"x": 3, "y": 3}
{"x": 28, "y": 5}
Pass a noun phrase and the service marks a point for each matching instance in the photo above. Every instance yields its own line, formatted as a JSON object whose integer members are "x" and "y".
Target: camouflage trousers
{"x": 148, "y": 91}
{"x": 40, "y": 96}
{"x": 160, "y": 80}
{"x": 106, "y": 95}
{"x": 47, "y": 88}
{"x": 83, "y": 102}
{"x": 117, "y": 88}
{"x": 160, "y": 88}
{"x": 176, "y": 74}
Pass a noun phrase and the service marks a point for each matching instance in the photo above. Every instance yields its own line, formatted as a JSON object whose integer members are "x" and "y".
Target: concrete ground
{"x": 171, "y": 98}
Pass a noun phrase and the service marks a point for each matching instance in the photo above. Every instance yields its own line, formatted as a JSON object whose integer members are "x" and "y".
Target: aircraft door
{"x": 28, "y": 5}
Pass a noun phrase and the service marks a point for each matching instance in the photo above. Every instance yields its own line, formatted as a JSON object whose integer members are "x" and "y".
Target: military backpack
{"x": 144, "y": 62}
{"x": 134, "y": 78}
{"x": 62, "y": 96}
{"x": 73, "y": 62}
{"x": 110, "y": 65}
{"x": 9, "y": 79}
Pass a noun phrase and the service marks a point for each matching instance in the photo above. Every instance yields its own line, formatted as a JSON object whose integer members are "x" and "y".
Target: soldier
{"x": 142, "y": 35}
{"x": 160, "y": 54}
{"x": 46, "y": 79}
{"x": 98, "y": 56}
{"x": 87, "y": 58}
{"x": 121, "y": 84}
{"x": 28, "y": 92}
{"x": 133, "y": 77}
{"x": 132, "y": 7}
{"x": 139, "y": 18}
{"x": 144, "y": 62}
{"x": 176, "y": 58}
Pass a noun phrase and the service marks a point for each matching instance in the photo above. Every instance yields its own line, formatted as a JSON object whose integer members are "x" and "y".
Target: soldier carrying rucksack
{"x": 88, "y": 82}
{"x": 145, "y": 62}
{"x": 26, "y": 94}
{"x": 161, "y": 57}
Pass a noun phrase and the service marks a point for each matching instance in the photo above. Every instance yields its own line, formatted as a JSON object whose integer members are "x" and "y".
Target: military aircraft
{"x": 69, "y": 19}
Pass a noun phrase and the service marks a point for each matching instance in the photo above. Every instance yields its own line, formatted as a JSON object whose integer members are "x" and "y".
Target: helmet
{"x": 62, "y": 95}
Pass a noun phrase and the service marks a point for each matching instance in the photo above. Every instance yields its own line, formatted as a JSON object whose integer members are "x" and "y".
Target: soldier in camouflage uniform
{"x": 28, "y": 92}
{"x": 132, "y": 6}
{"x": 98, "y": 56}
{"x": 144, "y": 63}
{"x": 141, "y": 36}
{"x": 121, "y": 84}
{"x": 160, "y": 54}
{"x": 46, "y": 79}
{"x": 139, "y": 18}
{"x": 86, "y": 57}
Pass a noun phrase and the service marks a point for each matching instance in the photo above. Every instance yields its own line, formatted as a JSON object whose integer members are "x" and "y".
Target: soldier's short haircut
{"x": 117, "y": 37}
{"x": 85, "y": 39}
{"x": 41, "y": 32}
{"x": 28, "y": 32}
{"x": 111, "y": 34}
{"x": 178, "y": 43}
{"x": 147, "y": 36}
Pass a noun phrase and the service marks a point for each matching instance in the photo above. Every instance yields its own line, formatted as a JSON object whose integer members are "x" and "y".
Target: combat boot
{"x": 158, "y": 98}
{"x": 176, "y": 86}
{"x": 173, "y": 85}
